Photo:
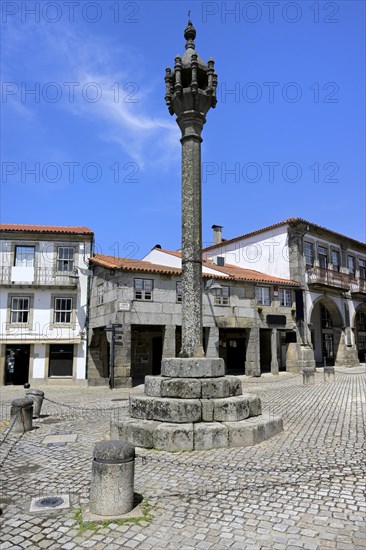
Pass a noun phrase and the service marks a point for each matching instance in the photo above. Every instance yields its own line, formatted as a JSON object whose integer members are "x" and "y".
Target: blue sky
{"x": 95, "y": 145}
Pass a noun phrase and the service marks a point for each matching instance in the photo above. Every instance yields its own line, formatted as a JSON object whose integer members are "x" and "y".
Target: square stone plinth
{"x": 253, "y": 430}
{"x": 165, "y": 409}
{"x": 174, "y": 437}
{"x": 138, "y": 432}
{"x": 210, "y": 435}
{"x": 231, "y": 409}
{"x": 182, "y": 388}
{"x": 205, "y": 367}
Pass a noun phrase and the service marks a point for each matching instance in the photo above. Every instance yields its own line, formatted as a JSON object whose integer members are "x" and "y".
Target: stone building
{"x": 144, "y": 298}
{"x": 331, "y": 314}
{"x": 43, "y": 303}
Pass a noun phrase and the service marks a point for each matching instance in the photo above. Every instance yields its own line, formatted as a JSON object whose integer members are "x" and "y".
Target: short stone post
{"x": 21, "y": 413}
{"x": 329, "y": 374}
{"x": 37, "y": 396}
{"x": 308, "y": 376}
{"x": 112, "y": 482}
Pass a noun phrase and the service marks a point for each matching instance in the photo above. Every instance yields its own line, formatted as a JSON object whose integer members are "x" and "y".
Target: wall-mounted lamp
{"x": 213, "y": 287}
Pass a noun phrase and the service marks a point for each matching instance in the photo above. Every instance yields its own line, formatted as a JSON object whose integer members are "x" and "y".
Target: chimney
{"x": 217, "y": 233}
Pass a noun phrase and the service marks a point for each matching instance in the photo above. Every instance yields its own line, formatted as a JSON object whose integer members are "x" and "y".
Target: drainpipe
{"x": 88, "y": 293}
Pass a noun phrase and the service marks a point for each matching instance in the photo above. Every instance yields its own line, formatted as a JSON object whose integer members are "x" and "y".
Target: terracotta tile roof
{"x": 176, "y": 253}
{"x": 235, "y": 273}
{"x": 278, "y": 224}
{"x": 127, "y": 264}
{"x": 12, "y": 227}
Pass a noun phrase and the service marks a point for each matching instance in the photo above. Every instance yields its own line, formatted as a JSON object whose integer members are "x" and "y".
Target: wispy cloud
{"x": 111, "y": 73}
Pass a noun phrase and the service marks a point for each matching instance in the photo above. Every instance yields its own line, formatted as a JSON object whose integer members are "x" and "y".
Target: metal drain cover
{"x": 49, "y": 502}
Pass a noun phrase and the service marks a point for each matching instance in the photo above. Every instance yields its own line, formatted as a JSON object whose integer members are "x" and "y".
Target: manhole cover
{"x": 49, "y": 502}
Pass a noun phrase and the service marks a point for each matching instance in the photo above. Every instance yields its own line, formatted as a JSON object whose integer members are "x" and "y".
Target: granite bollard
{"x": 329, "y": 374}
{"x": 37, "y": 396}
{"x": 308, "y": 376}
{"x": 112, "y": 483}
{"x": 22, "y": 411}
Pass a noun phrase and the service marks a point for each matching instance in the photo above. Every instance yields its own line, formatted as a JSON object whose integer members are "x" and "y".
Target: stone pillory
{"x": 190, "y": 93}
{"x": 193, "y": 405}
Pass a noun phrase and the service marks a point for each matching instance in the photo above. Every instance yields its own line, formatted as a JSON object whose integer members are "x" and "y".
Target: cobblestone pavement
{"x": 303, "y": 488}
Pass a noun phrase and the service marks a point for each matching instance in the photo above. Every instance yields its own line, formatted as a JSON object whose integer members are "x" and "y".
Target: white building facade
{"x": 331, "y": 268}
{"x": 44, "y": 290}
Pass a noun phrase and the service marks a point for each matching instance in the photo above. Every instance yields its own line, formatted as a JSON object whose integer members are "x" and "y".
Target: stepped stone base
{"x": 199, "y": 436}
{"x": 194, "y": 406}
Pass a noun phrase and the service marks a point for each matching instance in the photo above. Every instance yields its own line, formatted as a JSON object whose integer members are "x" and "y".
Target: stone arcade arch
{"x": 327, "y": 331}
{"x": 359, "y": 323}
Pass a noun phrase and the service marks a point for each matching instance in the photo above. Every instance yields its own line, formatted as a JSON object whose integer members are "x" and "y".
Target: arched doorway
{"x": 360, "y": 333}
{"x": 326, "y": 329}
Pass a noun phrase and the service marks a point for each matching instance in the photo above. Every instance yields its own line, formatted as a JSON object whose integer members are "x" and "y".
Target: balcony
{"x": 38, "y": 276}
{"x": 320, "y": 277}
{"x": 358, "y": 286}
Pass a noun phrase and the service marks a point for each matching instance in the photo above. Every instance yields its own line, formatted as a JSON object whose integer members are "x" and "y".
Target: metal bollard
{"x": 329, "y": 374}
{"x": 37, "y": 396}
{"x": 112, "y": 483}
{"x": 21, "y": 413}
{"x": 308, "y": 376}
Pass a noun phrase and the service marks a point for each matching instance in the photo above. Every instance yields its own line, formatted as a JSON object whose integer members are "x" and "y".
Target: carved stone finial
{"x": 190, "y": 35}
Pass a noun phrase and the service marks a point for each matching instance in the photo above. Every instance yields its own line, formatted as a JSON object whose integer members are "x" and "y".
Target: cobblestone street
{"x": 303, "y": 488}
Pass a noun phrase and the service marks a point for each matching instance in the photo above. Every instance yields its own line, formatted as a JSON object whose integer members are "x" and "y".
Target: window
{"x": 63, "y": 310}
{"x": 334, "y": 258}
{"x": 143, "y": 289}
{"x": 179, "y": 291}
{"x": 24, "y": 256}
{"x": 309, "y": 253}
{"x": 223, "y": 298}
{"x": 323, "y": 257}
{"x": 325, "y": 317}
{"x": 351, "y": 264}
{"x": 65, "y": 258}
{"x": 263, "y": 295}
{"x": 362, "y": 266}
{"x": 361, "y": 321}
{"x": 100, "y": 294}
{"x": 285, "y": 297}
{"x": 19, "y": 312}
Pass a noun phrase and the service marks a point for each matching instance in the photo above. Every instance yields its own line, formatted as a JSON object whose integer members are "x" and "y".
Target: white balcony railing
{"x": 46, "y": 276}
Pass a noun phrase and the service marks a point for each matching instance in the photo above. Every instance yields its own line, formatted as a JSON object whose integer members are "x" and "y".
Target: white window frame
{"x": 223, "y": 299}
{"x": 262, "y": 299}
{"x": 335, "y": 266}
{"x": 351, "y": 270}
{"x": 19, "y": 312}
{"x": 311, "y": 248}
{"x": 179, "y": 292}
{"x": 362, "y": 268}
{"x": 322, "y": 256}
{"x": 65, "y": 264}
{"x": 143, "y": 294}
{"x": 22, "y": 258}
{"x": 285, "y": 297}
{"x": 62, "y": 313}
{"x": 100, "y": 294}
